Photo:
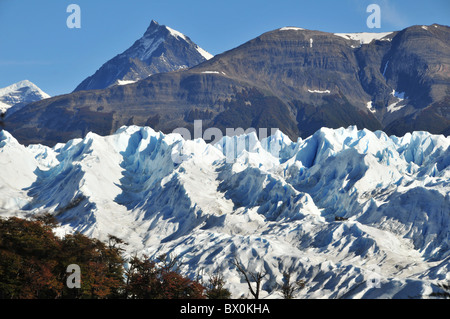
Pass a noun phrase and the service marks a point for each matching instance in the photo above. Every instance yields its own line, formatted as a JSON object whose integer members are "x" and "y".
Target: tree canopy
{"x": 34, "y": 261}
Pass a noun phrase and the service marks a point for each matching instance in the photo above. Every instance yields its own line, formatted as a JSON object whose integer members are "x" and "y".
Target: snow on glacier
{"x": 272, "y": 203}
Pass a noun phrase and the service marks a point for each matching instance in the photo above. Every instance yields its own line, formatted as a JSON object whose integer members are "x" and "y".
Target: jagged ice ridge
{"x": 391, "y": 195}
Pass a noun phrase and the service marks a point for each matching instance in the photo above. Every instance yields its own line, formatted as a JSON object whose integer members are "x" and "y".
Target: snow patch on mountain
{"x": 339, "y": 208}
{"x": 4, "y": 107}
{"x": 291, "y": 28}
{"x": 125, "y": 82}
{"x": 176, "y": 33}
{"x": 204, "y": 53}
{"x": 319, "y": 91}
{"x": 369, "y": 105}
{"x": 365, "y": 37}
{"x": 394, "y": 107}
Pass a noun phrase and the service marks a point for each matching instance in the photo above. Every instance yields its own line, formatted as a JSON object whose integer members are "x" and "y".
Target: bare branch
{"x": 255, "y": 276}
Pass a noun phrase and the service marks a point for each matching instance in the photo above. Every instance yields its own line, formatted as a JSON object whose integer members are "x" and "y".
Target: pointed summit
{"x": 152, "y": 28}
{"x": 161, "y": 49}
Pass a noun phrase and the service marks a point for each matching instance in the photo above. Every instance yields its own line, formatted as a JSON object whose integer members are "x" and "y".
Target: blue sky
{"x": 37, "y": 45}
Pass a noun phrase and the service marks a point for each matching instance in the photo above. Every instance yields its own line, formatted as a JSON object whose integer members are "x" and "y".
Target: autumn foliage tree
{"x": 33, "y": 262}
{"x": 28, "y": 260}
{"x": 147, "y": 279}
{"x": 33, "y": 265}
{"x": 216, "y": 288}
{"x": 101, "y": 267}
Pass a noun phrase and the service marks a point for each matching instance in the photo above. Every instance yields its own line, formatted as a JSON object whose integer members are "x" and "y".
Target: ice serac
{"x": 353, "y": 213}
{"x": 160, "y": 49}
{"x": 18, "y": 167}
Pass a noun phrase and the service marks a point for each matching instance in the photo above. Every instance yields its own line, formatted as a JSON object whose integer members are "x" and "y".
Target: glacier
{"x": 352, "y": 213}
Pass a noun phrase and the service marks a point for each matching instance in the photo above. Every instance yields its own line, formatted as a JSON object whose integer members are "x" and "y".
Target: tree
{"x": 28, "y": 238}
{"x": 46, "y": 219}
{"x": 445, "y": 293}
{"x": 215, "y": 288}
{"x": 2, "y": 120}
{"x": 101, "y": 267}
{"x": 34, "y": 261}
{"x": 145, "y": 279}
{"x": 169, "y": 262}
{"x": 255, "y": 276}
{"x": 115, "y": 263}
{"x": 288, "y": 289}
{"x": 28, "y": 253}
{"x": 175, "y": 286}
{"x": 141, "y": 279}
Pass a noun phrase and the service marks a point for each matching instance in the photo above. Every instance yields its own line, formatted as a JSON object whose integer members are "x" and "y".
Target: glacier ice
{"x": 336, "y": 208}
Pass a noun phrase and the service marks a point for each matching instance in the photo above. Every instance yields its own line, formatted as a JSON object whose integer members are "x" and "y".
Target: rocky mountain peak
{"x": 157, "y": 51}
{"x": 17, "y": 95}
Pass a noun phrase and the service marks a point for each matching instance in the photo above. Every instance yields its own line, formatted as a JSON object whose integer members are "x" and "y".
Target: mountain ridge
{"x": 297, "y": 80}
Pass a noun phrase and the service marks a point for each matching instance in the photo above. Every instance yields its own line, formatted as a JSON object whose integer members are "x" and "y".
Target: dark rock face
{"x": 161, "y": 49}
{"x": 292, "y": 79}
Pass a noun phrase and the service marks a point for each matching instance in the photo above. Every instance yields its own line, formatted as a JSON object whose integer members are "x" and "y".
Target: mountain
{"x": 161, "y": 49}
{"x": 17, "y": 95}
{"x": 293, "y": 79}
{"x": 353, "y": 213}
